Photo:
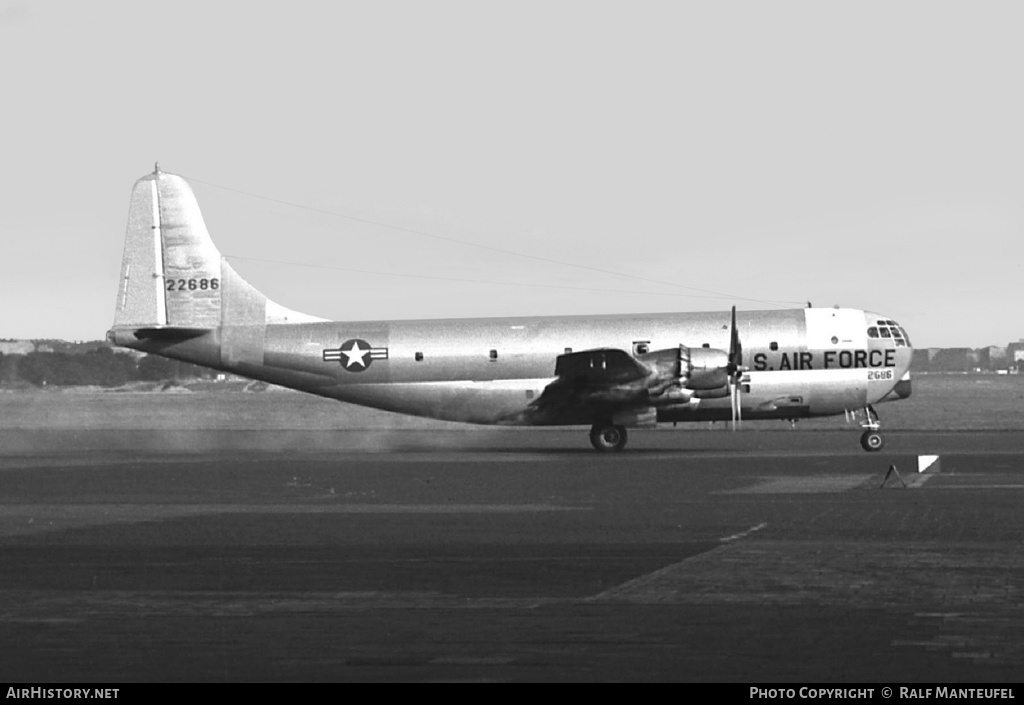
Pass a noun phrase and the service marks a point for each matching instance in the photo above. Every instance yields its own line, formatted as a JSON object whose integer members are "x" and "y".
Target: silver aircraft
{"x": 180, "y": 298}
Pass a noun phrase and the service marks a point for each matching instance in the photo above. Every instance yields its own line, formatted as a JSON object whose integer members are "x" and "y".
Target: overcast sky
{"x": 862, "y": 154}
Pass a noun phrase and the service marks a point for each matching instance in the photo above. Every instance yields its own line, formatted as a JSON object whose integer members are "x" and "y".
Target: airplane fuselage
{"x": 488, "y": 371}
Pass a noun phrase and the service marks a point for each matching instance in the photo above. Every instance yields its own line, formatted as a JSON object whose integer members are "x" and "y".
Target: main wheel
{"x": 872, "y": 441}
{"x": 608, "y": 438}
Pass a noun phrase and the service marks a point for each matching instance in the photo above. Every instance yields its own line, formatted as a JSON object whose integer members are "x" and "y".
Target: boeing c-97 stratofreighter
{"x": 180, "y": 298}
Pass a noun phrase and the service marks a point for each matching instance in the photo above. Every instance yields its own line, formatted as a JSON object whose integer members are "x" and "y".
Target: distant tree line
{"x": 102, "y": 367}
{"x": 966, "y": 359}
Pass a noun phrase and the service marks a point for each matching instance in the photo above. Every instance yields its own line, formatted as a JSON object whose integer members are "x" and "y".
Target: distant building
{"x": 996, "y": 356}
{"x": 952, "y": 360}
{"x": 17, "y": 347}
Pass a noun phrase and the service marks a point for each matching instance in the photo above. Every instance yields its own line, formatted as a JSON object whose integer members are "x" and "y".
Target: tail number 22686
{"x": 192, "y": 284}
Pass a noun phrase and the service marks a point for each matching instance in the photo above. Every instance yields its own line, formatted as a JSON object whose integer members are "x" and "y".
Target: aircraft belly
{"x": 818, "y": 392}
{"x": 492, "y": 402}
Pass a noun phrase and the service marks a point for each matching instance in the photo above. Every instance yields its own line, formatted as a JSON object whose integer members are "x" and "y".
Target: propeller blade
{"x": 735, "y": 371}
{"x": 735, "y": 347}
{"x": 739, "y": 404}
{"x": 732, "y": 402}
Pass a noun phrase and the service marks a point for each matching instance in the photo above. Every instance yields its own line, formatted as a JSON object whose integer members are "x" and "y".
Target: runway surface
{"x": 510, "y": 556}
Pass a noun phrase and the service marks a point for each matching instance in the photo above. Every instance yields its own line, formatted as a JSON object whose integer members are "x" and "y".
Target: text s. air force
{"x": 180, "y": 298}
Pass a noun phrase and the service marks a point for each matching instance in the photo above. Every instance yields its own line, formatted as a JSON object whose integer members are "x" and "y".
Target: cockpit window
{"x": 890, "y": 330}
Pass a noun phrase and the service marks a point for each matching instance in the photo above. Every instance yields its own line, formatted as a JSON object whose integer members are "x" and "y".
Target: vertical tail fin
{"x": 171, "y": 270}
{"x": 173, "y": 276}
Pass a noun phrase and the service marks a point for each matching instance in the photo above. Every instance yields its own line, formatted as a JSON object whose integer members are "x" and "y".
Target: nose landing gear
{"x": 871, "y": 440}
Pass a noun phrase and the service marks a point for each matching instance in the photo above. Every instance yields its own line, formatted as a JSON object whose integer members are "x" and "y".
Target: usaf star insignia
{"x": 355, "y": 355}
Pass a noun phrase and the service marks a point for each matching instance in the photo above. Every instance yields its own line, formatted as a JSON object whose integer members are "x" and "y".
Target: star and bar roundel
{"x": 355, "y": 355}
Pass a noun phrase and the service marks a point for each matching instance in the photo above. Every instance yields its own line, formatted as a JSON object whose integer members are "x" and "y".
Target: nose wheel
{"x": 608, "y": 438}
{"x": 871, "y": 440}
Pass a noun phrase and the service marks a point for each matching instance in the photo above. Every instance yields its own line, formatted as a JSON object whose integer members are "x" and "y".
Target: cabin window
{"x": 494, "y": 355}
{"x": 796, "y": 400}
{"x": 641, "y": 347}
{"x": 568, "y": 351}
{"x": 529, "y": 394}
{"x": 706, "y": 345}
{"x": 773, "y": 346}
{"x": 419, "y": 357}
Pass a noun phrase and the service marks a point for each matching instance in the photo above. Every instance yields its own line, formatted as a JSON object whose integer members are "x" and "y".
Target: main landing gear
{"x": 608, "y": 438}
{"x": 871, "y": 440}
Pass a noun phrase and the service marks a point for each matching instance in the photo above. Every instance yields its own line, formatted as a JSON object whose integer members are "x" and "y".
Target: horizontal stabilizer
{"x": 127, "y": 335}
{"x": 170, "y": 333}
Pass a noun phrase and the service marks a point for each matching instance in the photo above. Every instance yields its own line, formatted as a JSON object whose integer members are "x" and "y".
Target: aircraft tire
{"x": 872, "y": 441}
{"x": 608, "y": 438}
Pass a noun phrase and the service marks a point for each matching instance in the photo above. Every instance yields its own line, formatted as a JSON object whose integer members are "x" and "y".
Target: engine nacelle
{"x": 680, "y": 374}
{"x": 704, "y": 368}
